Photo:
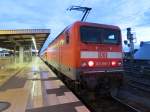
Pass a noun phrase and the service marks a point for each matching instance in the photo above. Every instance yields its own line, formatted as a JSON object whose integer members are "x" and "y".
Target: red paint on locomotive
{"x": 83, "y": 44}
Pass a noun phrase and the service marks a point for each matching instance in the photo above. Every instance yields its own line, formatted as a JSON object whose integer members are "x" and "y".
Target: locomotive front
{"x": 100, "y": 56}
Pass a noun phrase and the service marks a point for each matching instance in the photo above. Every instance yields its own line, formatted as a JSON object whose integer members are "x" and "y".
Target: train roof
{"x": 96, "y": 25}
{"x": 86, "y": 24}
{"x": 143, "y": 52}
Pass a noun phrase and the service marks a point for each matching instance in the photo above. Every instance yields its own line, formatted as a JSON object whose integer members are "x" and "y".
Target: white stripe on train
{"x": 95, "y": 54}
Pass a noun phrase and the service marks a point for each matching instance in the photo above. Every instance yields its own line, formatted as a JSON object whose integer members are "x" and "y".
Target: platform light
{"x": 91, "y": 63}
{"x": 34, "y": 43}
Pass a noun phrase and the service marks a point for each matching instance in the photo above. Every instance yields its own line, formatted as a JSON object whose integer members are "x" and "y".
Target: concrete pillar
{"x": 15, "y": 60}
{"x": 31, "y": 52}
{"x": 21, "y": 54}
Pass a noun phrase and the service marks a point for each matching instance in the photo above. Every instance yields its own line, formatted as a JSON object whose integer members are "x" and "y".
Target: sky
{"x": 52, "y": 14}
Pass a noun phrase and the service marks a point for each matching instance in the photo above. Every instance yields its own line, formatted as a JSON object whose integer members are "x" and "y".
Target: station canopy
{"x": 23, "y": 37}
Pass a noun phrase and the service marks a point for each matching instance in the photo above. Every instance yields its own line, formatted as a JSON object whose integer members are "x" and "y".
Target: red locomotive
{"x": 88, "y": 53}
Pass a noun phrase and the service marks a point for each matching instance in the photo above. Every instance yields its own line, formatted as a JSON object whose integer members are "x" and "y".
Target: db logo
{"x": 102, "y": 54}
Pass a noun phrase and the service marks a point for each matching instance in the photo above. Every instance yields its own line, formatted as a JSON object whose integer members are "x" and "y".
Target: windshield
{"x": 99, "y": 35}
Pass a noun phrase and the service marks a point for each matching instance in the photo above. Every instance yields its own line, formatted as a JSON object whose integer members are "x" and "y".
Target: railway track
{"x": 104, "y": 104}
{"x": 131, "y": 109}
{"x": 97, "y": 103}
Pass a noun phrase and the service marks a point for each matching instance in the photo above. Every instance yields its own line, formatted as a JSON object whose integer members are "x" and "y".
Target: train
{"x": 89, "y": 54}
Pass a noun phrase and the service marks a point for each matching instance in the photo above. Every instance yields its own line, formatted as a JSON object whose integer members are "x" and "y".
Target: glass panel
{"x": 90, "y": 34}
{"x": 110, "y": 36}
{"x": 99, "y": 35}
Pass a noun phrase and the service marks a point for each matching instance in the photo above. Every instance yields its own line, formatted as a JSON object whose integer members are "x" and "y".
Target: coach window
{"x": 67, "y": 37}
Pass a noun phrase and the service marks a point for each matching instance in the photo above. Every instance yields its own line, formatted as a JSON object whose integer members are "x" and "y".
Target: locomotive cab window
{"x": 90, "y": 34}
{"x": 67, "y": 37}
{"x": 110, "y": 36}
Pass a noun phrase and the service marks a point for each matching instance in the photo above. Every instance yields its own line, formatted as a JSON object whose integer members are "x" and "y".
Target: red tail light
{"x": 119, "y": 63}
{"x": 91, "y": 63}
{"x": 113, "y": 63}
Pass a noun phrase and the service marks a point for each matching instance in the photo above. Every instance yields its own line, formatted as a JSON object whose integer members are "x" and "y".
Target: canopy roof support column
{"x": 21, "y": 54}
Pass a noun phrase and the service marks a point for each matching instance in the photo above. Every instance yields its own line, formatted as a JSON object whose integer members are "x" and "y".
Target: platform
{"x": 35, "y": 88}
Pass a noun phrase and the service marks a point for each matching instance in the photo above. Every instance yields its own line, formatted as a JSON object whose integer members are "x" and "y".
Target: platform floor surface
{"x": 35, "y": 88}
